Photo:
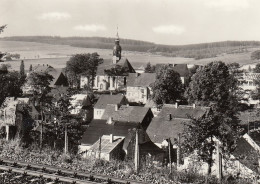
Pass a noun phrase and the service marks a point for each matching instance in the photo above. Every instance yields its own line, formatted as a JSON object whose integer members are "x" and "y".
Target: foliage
{"x": 167, "y": 87}
{"x": 2, "y": 28}
{"x": 40, "y": 81}
{"x": 30, "y": 69}
{"x": 213, "y": 84}
{"x": 10, "y": 85}
{"x": 200, "y": 136}
{"x": 10, "y": 57}
{"x": 257, "y": 67}
{"x": 22, "y": 73}
{"x": 234, "y": 68}
{"x": 255, "y": 55}
{"x": 149, "y": 68}
{"x": 82, "y": 64}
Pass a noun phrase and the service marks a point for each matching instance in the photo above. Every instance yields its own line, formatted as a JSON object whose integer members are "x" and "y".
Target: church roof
{"x": 107, "y": 64}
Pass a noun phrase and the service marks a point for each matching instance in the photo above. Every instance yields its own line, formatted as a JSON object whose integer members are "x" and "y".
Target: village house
{"x": 104, "y": 100}
{"x": 111, "y": 74}
{"x": 139, "y": 87}
{"x": 59, "y": 78}
{"x": 15, "y": 116}
{"x": 246, "y": 82}
{"x": 170, "y": 121}
{"x": 117, "y": 140}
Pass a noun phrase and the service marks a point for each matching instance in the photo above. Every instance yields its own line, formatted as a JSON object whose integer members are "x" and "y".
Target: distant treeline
{"x": 197, "y": 51}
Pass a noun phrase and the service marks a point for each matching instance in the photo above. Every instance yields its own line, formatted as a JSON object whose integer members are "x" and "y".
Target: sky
{"x": 173, "y": 22}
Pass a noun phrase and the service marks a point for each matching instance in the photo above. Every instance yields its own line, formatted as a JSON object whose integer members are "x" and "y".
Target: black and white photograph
{"x": 129, "y": 92}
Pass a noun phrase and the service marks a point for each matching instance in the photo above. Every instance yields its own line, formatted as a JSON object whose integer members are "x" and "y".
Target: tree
{"x": 2, "y": 28}
{"x": 22, "y": 73}
{"x": 167, "y": 87}
{"x": 83, "y": 64}
{"x": 213, "y": 84}
{"x": 234, "y": 68}
{"x": 149, "y": 68}
{"x": 257, "y": 68}
{"x": 10, "y": 84}
{"x": 255, "y": 55}
{"x": 200, "y": 136}
{"x": 30, "y": 69}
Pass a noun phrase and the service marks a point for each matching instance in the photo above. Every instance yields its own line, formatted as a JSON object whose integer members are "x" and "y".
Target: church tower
{"x": 116, "y": 50}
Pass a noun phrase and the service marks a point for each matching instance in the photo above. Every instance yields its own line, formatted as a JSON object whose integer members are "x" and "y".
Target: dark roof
{"x": 110, "y": 99}
{"x": 246, "y": 154}
{"x": 182, "y": 69}
{"x": 144, "y": 79}
{"x": 126, "y": 113}
{"x": 255, "y": 135}
{"x": 107, "y": 64}
{"x": 162, "y": 128}
{"x": 59, "y": 78}
{"x": 97, "y": 128}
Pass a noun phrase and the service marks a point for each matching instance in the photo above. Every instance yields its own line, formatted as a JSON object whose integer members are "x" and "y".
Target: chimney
{"x": 136, "y": 74}
{"x": 110, "y": 120}
{"x": 176, "y": 105}
{"x": 111, "y": 138}
{"x": 169, "y": 117}
{"x": 116, "y": 107}
{"x": 194, "y": 106}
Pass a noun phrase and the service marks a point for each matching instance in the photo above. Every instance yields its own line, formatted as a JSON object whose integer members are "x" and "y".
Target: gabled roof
{"x": 126, "y": 113}
{"x": 106, "y": 145}
{"x": 80, "y": 100}
{"x": 162, "y": 128}
{"x": 142, "y": 80}
{"x": 58, "y": 78}
{"x": 110, "y": 99}
{"x": 98, "y": 128}
{"x": 107, "y": 64}
{"x": 42, "y": 68}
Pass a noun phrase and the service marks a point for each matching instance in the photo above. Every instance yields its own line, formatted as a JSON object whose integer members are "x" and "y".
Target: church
{"x": 112, "y": 73}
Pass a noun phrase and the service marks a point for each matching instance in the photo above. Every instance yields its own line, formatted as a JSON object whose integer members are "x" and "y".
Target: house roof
{"x": 246, "y": 154}
{"x": 98, "y": 128}
{"x": 126, "y": 113}
{"x": 109, "y": 99}
{"x": 106, "y": 145}
{"x": 143, "y": 80}
{"x": 162, "y": 128}
{"x": 58, "y": 78}
{"x": 80, "y": 100}
{"x": 107, "y": 64}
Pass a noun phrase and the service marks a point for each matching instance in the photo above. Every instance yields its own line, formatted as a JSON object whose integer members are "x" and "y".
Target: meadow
{"x": 57, "y": 55}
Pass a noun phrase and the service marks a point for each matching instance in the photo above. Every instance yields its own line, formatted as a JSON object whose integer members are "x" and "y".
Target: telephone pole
{"x": 137, "y": 151}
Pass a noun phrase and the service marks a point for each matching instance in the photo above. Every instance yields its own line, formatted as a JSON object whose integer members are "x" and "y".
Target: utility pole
{"x": 99, "y": 149}
{"x": 137, "y": 151}
{"x": 41, "y": 135}
{"x": 170, "y": 156}
{"x": 178, "y": 151}
{"x": 66, "y": 140}
{"x": 219, "y": 164}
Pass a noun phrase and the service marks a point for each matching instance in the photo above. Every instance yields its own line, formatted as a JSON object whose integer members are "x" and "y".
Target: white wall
{"x": 98, "y": 113}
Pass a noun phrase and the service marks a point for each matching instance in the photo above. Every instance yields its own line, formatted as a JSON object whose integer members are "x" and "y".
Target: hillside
{"x": 196, "y": 51}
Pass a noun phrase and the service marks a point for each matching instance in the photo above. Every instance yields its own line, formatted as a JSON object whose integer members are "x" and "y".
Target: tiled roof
{"x": 107, "y": 64}
{"x": 106, "y": 145}
{"x": 126, "y": 113}
{"x": 162, "y": 128}
{"x": 110, "y": 99}
{"x": 98, "y": 128}
{"x": 143, "y": 80}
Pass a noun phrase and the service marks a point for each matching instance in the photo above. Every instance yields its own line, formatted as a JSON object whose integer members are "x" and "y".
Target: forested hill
{"x": 197, "y": 51}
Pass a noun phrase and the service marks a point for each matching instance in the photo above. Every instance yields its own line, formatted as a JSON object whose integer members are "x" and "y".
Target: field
{"x": 58, "y": 55}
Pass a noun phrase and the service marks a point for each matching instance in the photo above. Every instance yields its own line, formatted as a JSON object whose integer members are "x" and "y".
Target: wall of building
{"x": 98, "y": 113}
{"x": 137, "y": 94}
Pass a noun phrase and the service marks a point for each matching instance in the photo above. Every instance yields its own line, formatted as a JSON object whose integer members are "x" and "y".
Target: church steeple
{"x": 117, "y": 49}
